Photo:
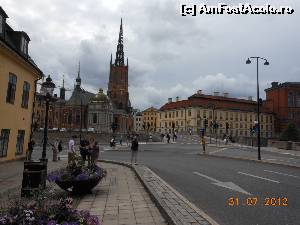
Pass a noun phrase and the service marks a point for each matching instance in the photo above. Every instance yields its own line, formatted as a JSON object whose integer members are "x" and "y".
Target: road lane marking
{"x": 284, "y": 174}
{"x": 228, "y": 185}
{"x": 216, "y": 151}
{"x": 262, "y": 178}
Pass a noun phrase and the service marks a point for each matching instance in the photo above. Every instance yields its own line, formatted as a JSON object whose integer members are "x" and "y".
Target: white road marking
{"x": 262, "y": 178}
{"x": 220, "y": 150}
{"x": 284, "y": 174}
{"x": 228, "y": 185}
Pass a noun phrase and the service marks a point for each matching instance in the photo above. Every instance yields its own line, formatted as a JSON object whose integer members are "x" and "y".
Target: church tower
{"x": 118, "y": 77}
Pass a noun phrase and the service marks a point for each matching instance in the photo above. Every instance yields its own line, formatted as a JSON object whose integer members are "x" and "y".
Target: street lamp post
{"x": 47, "y": 90}
{"x": 266, "y": 63}
{"x": 35, "y": 172}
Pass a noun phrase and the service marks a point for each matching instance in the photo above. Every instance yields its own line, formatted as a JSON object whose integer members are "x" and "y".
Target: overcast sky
{"x": 169, "y": 55}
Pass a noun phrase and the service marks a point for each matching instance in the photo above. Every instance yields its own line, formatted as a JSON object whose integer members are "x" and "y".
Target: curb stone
{"x": 175, "y": 208}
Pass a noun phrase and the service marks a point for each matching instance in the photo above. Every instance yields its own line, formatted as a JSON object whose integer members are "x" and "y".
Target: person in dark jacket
{"x": 134, "y": 149}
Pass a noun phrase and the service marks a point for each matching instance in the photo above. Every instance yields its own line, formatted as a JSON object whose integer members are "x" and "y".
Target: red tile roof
{"x": 218, "y": 102}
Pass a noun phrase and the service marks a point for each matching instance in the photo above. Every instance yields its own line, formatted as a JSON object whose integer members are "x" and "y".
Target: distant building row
{"x": 233, "y": 116}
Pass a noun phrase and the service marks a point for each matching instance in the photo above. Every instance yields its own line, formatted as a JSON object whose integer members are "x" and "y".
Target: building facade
{"x": 149, "y": 119}
{"x": 100, "y": 114}
{"x": 137, "y": 120}
{"x": 18, "y": 77}
{"x": 284, "y": 100}
{"x": 233, "y": 116}
{"x": 71, "y": 114}
{"x": 118, "y": 89}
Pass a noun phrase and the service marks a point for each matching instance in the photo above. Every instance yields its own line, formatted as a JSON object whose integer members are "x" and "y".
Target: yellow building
{"x": 233, "y": 116}
{"x": 149, "y": 119}
{"x": 18, "y": 76}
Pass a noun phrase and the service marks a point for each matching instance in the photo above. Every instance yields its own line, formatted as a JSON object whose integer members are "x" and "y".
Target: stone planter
{"x": 79, "y": 186}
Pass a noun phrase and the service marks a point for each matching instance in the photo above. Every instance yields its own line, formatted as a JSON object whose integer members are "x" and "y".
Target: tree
{"x": 291, "y": 133}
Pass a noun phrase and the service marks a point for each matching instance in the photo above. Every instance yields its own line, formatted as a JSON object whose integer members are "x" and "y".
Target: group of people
{"x": 168, "y": 137}
{"x": 89, "y": 150}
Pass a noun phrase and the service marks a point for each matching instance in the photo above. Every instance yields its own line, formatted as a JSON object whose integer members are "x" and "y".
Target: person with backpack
{"x": 134, "y": 149}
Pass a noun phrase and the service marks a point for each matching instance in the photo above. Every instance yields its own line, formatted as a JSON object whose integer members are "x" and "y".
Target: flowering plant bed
{"x": 45, "y": 210}
{"x": 77, "y": 178}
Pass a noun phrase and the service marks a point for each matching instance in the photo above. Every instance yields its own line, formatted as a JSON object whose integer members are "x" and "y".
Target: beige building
{"x": 18, "y": 76}
{"x": 233, "y": 116}
{"x": 150, "y": 119}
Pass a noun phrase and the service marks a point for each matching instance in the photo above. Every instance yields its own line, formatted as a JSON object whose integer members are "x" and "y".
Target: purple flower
{"x": 82, "y": 176}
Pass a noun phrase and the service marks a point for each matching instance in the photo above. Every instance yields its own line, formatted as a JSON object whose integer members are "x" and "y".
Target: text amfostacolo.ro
{"x": 241, "y": 8}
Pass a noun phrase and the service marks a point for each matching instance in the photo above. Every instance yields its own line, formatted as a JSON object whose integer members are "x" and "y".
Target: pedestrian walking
{"x": 134, "y": 150}
{"x": 203, "y": 144}
{"x": 93, "y": 151}
{"x": 30, "y": 145}
{"x": 168, "y": 137}
{"x": 121, "y": 140}
{"x": 84, "y": 144}
{"x": 174, "y": 137}
{"x": 71, "y": 149}
{"x": 162, "y": 137}
{"x": 60, "y": 148}
{"x": 112, "y": 142}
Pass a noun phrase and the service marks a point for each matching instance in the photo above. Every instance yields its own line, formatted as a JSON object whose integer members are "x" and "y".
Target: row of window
{"x": 231, "y": 126}
{"x": 221, "y": 116}
{"x": 294, "y": 99}
{"x": 294, "y": 115}
{"x": 4, "y": 139}
{"x": 11, "y": 91}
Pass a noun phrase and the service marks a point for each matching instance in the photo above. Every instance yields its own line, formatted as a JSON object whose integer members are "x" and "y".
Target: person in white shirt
{"x": 71, "y": 150}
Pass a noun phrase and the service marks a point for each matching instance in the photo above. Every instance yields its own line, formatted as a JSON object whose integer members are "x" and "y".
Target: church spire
{"x": 119, "y": 61}
{"x": 78, "y": 79}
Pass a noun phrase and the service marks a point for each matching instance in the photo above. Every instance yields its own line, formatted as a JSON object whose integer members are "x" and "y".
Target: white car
{"x": 63, "y": 129}
{"x": 91, "y": 129}
{"x": 55, "y": 129}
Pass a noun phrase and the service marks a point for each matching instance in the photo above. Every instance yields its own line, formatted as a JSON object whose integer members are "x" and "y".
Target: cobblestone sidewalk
{"x": 120, "y": 199}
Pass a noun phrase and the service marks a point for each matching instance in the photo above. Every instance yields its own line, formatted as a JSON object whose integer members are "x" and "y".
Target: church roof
{"x": 80, "y": 96}
{"x": 100, "y": 97}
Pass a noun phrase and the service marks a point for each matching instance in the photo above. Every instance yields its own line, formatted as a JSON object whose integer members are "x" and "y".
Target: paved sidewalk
{"x": 120, "y": 199}
{"x": 11, "y": 174}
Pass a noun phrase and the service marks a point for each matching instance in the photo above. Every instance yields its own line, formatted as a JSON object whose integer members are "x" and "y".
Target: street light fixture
{"x": 47, "y": 92}
{"x": 266, "y": 63}
{"x": 35, "y": 172}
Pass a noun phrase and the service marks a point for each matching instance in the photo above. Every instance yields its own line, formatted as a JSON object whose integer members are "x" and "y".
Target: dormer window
{"x": 24, "y": 45}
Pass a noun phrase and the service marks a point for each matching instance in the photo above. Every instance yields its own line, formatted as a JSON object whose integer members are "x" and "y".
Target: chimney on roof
{"x": 199, "y": 92}
{"x": 169, "y": 100}
{"x": 274, "y": 84}
{"x": 216, "y": 93}
{"x": 250, "y": 98}
{"x": 177, "y": 98}
{"x": 226, "y": 94}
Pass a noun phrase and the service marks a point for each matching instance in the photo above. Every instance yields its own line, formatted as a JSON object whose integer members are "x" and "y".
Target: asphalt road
{"x": 209, "y": 182}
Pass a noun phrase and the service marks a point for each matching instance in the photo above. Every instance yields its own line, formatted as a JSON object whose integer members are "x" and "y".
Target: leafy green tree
{"x": 291, "y": 133}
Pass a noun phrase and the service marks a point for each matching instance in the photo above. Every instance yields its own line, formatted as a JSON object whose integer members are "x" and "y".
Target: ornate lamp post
{"x": 266, "y": 63}
{"x": 35, "y": 172}
{"x": 47, "y": 92}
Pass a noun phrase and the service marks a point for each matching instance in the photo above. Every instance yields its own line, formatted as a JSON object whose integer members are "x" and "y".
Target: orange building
{"x": 284, "y": 100}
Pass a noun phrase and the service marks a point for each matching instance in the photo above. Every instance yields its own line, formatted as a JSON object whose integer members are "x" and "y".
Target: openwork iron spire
{"x": 119, "y": 61}
{"x": 78, "y": 79}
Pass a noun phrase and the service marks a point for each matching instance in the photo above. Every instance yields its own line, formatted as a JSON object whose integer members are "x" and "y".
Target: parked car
{"x": 63, "y": 129}
{"x": 91, "y": 129}
{"x": 55, "y": 129}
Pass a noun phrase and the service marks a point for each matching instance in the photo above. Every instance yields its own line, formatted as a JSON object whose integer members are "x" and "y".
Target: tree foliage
{"x": 291, "y": 133}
